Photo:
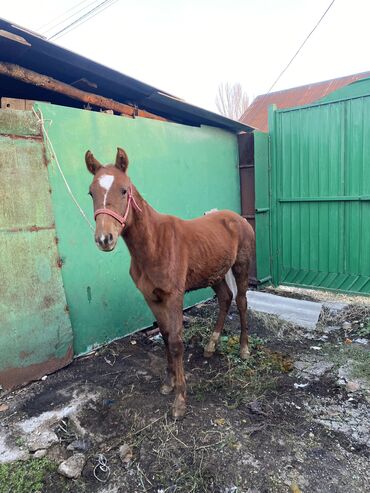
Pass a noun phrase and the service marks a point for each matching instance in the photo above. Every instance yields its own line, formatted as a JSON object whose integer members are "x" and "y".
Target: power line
{"x": 84, "y": 18}
{"x": 301, "y": 46}
{"x": 61, "y": 17}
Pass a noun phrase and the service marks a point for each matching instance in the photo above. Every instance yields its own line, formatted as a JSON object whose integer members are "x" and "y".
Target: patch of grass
{"x": 197, "y": 478}
{"x": 365, "y": 331}
{"x": 258, "y": 373}
{"x": 358, "y": 356}
{"x": 20, "y": 441}
{"x": 25, "y": 477}
{"x": 198, "y": 331}
{"x": 361, "y": 365}
{"x": 229, "y": 346}
{"x": 352, "y": 313}
{"x": 169, "y": 458}
{"x": 239, "y": 381}
{"x": 274, "y": 327}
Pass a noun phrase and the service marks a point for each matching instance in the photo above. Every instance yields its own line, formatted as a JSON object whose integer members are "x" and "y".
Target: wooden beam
{"x": 46, "y": 82}
{"x": 247, "y": 191}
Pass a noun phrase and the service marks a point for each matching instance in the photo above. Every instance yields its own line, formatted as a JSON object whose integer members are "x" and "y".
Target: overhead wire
{"x": 60, "y": 19}
{"x": 84, "y": 18}
{"x": 108, "y": 3}
{"x": 264, "y": 96}
{"x": 301, "y": 46}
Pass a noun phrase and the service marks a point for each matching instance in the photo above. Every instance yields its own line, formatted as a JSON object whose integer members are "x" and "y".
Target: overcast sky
{"x": 188, "y": 47}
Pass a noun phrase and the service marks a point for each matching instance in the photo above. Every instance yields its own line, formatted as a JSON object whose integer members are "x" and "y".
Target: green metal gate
{"x": 320, "y": 193}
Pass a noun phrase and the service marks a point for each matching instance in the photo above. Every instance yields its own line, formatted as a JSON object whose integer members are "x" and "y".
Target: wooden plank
{"x": 247, "y": 192}
{"x": 39, "y": 80}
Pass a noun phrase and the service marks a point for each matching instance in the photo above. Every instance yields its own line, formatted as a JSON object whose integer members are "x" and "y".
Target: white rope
{"x": 102, "y": 466}
{"x": 40, "y": 119}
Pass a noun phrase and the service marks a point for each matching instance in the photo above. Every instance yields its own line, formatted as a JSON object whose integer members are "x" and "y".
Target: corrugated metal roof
{"x": 42, "y": 56}
{"x": 257, "y": 113}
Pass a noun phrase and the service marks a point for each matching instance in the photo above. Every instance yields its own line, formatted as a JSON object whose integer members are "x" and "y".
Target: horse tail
{"x": 231, "y": 283}
{"x": 229, "y": 277}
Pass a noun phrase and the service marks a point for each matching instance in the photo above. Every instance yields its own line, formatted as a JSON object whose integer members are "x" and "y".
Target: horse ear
{"x": 92, "y": 164}
{"x": 121, "y": 160}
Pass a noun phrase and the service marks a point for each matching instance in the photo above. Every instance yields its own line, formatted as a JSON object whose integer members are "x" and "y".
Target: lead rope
{"x": 40, "y": 119}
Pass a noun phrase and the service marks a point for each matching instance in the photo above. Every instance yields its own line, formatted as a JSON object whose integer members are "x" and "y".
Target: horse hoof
{"x": 178, "y": 409}
{"x": 244, "y": 353}
{"x": 166, "y": 389}
{"x": 208, "y": 354}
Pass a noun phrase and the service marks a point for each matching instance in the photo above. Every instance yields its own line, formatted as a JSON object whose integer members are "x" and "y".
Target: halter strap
{"x": 118, "y": 217}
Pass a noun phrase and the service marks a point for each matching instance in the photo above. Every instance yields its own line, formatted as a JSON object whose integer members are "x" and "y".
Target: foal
{"x": 170, "y": 256}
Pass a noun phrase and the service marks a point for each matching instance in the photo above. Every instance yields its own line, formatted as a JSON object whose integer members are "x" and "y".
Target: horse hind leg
{"x": 241, "y": 277}
{"x": 224, "y": 297}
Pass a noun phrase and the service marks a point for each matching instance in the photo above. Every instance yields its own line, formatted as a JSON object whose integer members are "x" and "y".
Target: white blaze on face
{"x": 106, "y": 182}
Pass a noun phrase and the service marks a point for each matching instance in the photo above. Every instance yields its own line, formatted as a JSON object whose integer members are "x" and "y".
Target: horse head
{"x": 111, "y": 194}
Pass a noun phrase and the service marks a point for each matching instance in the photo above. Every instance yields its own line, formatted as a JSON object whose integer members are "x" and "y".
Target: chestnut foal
{"x": 170, "y": 256}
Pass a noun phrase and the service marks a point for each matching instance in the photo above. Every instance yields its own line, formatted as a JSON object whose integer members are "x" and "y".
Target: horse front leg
{"x": 169, "y": 382}
{"x": 170, "y": 320}
{"x": 176, "y": 350}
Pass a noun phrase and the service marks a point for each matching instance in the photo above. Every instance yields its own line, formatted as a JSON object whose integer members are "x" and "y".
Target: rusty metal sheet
{"x": 25, "y": 196}
{"x": 257, "y": 114}
{"x": 35, "y": 330}
{"x": 19, "y": 124}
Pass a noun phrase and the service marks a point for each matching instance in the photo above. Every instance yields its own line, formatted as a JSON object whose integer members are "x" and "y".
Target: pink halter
{"x": 118, "y": 217}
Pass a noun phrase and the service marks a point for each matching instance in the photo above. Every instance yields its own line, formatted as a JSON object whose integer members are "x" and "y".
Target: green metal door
{"x": 262, "y": 207}
{"x": 320, "y": 200}
{"x": 35, "y": 331}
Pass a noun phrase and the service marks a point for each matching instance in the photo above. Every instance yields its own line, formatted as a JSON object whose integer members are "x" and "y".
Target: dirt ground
{"x": 295, "y": 417}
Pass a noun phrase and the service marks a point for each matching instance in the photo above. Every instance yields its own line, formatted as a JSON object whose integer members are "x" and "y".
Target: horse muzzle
{"x": 106, "y": 242}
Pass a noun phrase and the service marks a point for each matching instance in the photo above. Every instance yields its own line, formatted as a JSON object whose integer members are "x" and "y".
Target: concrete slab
{"x": 300, "y": 312}
{"x": 335, "y": 306}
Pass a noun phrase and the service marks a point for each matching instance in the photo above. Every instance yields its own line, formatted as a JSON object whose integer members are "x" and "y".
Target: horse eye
{"x": 123, "y": 191}
{"x": 89, "y": 193}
